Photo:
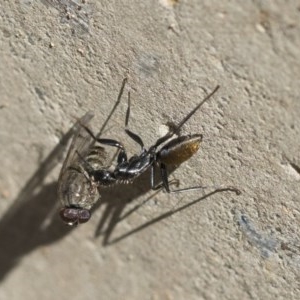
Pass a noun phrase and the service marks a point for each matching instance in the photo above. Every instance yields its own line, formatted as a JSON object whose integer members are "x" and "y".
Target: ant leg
{"x": 131, "y": 134}
{"x": 161, "y": 185}
{"x": 122, "y": 156}
{"x": 152, "y": 180}
{"x": 109, "y": 142}
{"x": 164, "y": 184}
{"x": 114, "y": 108}
{"x": 164, "y": 177}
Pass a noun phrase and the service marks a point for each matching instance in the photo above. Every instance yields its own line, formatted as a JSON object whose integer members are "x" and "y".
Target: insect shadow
{"x": 116, "y": 200}
{"x": 32, "y": 219}
{"x": 22, "y": 227}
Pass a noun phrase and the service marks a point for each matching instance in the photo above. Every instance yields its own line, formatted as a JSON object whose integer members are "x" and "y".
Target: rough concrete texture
{"x": 59, "y": 60}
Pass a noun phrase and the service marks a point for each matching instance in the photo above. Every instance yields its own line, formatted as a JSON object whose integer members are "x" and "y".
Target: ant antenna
{"x": 132, "y": 135}
{"x": 185, "y": 119}
{"x": 114, "y": 108}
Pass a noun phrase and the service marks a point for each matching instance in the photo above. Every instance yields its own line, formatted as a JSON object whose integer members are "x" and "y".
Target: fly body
{"x": 77, "y": 189}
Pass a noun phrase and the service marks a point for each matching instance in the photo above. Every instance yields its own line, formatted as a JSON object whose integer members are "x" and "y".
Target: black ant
{"x": 173, "y": 153}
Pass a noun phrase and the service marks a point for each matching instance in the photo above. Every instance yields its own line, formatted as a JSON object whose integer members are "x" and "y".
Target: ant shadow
{"x": 118, "y": 197}
{"x": 33, "y": 221}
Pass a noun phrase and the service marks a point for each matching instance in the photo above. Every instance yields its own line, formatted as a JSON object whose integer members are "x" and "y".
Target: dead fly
{"x": 166, "y": 151}
{"x": 77, "y": 189}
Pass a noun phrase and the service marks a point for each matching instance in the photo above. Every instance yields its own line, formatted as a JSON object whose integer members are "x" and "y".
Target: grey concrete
{"x": 58, "y": 63}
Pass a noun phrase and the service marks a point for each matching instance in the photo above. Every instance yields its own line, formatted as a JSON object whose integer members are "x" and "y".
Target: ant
{"x": 173, "y": 153}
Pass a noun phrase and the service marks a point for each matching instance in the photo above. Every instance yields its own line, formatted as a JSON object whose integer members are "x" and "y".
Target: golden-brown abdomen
{"x": 179, "y": 149}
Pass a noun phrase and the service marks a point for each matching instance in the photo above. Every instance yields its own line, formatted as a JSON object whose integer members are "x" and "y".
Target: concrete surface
{"x": 58, "y": 61}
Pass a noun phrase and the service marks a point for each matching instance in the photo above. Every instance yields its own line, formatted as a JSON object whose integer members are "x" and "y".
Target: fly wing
{"x": 81, "y": 143}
